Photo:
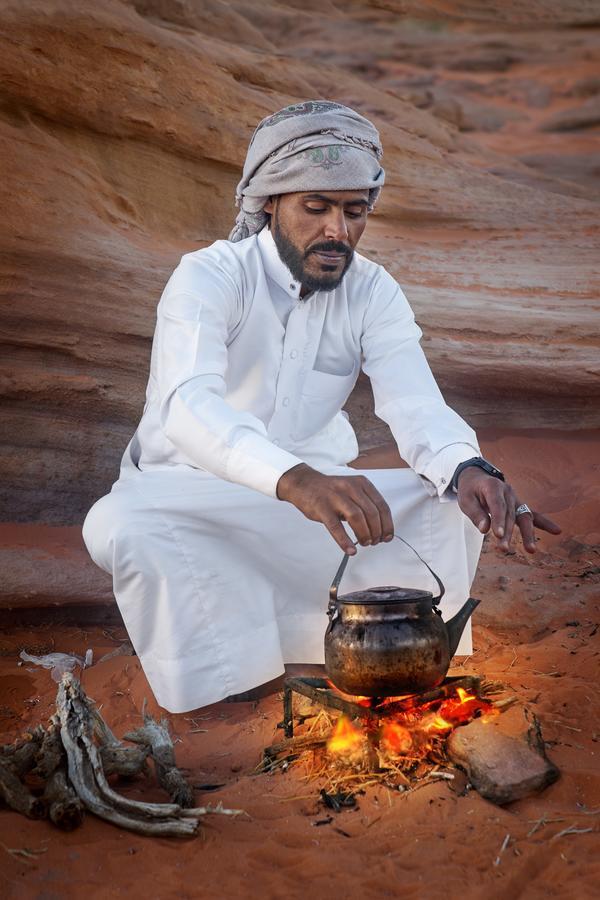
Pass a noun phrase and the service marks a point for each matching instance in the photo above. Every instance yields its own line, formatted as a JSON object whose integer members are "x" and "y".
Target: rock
{"x": 503, "y": 756}
{"x": 585, "y": 116}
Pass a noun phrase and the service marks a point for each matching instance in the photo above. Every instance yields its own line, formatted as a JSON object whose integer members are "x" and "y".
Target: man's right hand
{"x": 333, "y": 499}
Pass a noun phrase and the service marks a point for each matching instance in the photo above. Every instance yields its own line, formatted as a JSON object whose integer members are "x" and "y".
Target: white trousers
{"x": 219, "y": 585}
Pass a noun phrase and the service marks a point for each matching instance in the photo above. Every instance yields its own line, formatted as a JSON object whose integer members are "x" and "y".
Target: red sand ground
{"x": 536, "y": 631}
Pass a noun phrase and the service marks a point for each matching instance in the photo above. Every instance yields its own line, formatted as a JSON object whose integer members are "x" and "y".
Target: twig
{"x": 571, "y": 830}
{"x": 27, "y": 853}
{"x": 505, "y": 702}
{"x": 502, "y": 849}
{"x": 563, "y": 725}
{"x": 218, "y": 810}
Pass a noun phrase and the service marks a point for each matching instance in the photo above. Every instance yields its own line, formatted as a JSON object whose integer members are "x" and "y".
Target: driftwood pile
{"x": 73, "y": 759}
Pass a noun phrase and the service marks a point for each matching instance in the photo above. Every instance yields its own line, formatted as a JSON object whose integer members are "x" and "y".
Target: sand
{"x": 536, "y": 631}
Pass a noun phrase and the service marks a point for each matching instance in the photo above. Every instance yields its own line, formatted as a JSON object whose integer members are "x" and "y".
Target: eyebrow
{"x": 335, "y": 202}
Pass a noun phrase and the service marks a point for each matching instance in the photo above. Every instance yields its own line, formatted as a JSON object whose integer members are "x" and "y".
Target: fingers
{"x": 475, "y": 511}
{"x": 491, "y": 503}
{"x": 495, "y": 495}
{"x": 525, "y": 523}
{"x": 546, "y": 524}
{"x": 382, "y": 512}
{"x": 340, "y": 536}
{"x": 357, "y": 502}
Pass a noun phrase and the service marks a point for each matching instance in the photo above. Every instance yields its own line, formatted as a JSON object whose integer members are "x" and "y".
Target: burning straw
{"x": 74, "y": 757}
{"x": 398, "y": 750}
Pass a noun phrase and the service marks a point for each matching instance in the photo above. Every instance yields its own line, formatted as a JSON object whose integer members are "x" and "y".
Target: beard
{"x": 296, "y": 260}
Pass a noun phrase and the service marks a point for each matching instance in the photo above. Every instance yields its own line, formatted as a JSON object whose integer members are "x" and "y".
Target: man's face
{"x": 316, "y": 233}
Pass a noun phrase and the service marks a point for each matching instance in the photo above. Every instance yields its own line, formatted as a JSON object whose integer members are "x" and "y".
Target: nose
{"x": 336, "y": 228}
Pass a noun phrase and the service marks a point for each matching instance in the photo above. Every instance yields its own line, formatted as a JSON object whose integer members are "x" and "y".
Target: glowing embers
{"x": 411, "y": 733}
{"x": 352, "y": 742}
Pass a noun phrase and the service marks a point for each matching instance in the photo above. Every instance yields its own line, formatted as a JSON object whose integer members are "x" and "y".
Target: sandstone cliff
{"x": 122, "y": 129}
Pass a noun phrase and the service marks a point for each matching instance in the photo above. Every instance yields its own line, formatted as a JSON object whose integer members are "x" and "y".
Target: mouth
{"x": 330, "y": 257}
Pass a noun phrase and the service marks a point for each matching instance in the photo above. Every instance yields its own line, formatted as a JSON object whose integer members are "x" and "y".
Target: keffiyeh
{"x": 313, "y": 146}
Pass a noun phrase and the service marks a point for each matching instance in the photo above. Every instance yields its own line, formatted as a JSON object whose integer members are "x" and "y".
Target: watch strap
{"x": 480, "y": 463}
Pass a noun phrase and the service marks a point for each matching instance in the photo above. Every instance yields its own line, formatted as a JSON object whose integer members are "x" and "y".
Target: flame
{"x": 410, "y": 732}
{"x": 396, "y": 738}
{"x": 345, "y": 738}
{"x": 437, "y": 723}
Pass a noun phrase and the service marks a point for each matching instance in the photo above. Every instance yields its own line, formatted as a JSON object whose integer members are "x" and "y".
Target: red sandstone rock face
{"x": 123, "y": 126}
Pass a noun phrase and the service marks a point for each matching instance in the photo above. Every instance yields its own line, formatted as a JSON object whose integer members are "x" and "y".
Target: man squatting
{"x": 214, "y": 531}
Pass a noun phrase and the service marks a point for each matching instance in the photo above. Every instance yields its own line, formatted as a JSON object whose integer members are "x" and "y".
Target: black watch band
{"x": 481, "y": 463}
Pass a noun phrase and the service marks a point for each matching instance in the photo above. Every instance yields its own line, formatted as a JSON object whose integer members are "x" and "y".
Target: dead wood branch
{"x": 116, "y": 758}
{"x": 156, "y": 737}
{"x": 51, "y": 753}
{"x": 65, "y": 808}
{"x": 124, "y": 761}
{"x": 296, "y": 745}
{"x": 88, "y": 778}
{"x": 21, "y": 758}
{"x": 17, "y": 796}
{"x": 74, "y": 757}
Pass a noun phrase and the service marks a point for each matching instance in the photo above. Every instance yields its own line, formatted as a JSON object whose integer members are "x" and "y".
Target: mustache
{"x": 330, "y": 247}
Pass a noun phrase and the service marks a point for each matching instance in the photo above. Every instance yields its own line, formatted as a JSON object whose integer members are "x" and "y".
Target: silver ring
{"x": 521, "y": 510}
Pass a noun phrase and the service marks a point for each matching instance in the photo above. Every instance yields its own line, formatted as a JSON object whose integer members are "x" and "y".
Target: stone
{"x": 504, "y": 756}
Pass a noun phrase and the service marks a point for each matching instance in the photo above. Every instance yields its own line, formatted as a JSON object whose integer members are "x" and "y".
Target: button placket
{"x": 289, "y": 373}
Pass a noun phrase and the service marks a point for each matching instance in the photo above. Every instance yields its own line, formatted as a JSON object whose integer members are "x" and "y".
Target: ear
{"x": 269, "y": 206}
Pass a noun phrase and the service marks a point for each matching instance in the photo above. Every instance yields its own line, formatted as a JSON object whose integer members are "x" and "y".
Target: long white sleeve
{"x": 191, "y": 356}
{"x": 431, "y": 437}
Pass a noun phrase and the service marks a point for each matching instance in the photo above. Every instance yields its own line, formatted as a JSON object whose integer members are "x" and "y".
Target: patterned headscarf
{"x": 313, "y": 146}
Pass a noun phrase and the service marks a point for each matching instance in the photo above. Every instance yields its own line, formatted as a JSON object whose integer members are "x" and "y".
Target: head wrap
{"x": 313, "y": 146}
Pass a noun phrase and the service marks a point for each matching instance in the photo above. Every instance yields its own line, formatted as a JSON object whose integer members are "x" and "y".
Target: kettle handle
{"x": 333, "y": 590}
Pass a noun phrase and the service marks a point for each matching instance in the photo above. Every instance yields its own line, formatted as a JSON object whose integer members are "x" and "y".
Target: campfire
{"x": 351, "y": 742}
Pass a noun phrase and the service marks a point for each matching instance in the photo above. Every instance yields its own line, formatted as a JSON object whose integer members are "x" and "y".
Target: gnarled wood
{"x": 21, "y": 758}
{"x": 89, "y": 780}
{"x": 51, "y": 753}
{"x": 65, "y": 808}
{"x": 156, "y": 737}
{"x": 17, "y": 796}
{"x": 124, "y": 761}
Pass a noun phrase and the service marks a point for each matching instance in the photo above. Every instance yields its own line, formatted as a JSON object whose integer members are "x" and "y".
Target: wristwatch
{"x": 481, "y": 463}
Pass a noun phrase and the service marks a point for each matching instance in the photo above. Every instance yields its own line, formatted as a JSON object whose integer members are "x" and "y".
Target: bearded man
{"x": 224, "y": 529}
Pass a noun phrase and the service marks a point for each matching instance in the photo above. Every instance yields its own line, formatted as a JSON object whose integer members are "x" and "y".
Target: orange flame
{"x": 437, "y": 724}
{"x": 395, "y": 738}
{"x": 346, "y": 738}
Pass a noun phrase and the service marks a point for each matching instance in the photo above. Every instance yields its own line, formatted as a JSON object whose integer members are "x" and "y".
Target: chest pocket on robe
{"x": 322, "y": 397}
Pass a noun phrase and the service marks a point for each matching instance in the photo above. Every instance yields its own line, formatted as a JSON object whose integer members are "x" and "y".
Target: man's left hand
{"x": 491, "y": 503}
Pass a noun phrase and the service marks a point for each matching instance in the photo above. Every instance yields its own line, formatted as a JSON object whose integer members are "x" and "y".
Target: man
{"x": 214, "y": 531}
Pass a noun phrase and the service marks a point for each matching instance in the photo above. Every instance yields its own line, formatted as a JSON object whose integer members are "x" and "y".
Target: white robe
{"x": 220, "y": 583}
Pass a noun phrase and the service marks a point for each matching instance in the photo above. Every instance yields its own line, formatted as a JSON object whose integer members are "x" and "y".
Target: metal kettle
{"x": 388, "y": 641}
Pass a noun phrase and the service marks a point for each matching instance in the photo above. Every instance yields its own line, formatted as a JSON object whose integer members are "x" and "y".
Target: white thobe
{"x": 220, "y": 583}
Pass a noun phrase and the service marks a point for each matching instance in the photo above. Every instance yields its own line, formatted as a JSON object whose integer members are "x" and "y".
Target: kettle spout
{"x": 456, "y": 625}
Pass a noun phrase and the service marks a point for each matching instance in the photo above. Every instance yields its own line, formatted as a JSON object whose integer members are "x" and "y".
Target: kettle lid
{"x": 385, "y": 594}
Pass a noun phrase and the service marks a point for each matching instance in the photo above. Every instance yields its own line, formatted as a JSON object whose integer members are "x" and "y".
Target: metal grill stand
{"x": 320, "y": 691}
